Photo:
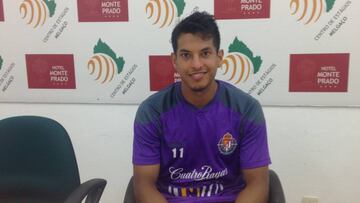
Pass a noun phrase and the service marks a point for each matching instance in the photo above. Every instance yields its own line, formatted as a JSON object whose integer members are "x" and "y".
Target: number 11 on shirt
{"x": 178, "y": 152}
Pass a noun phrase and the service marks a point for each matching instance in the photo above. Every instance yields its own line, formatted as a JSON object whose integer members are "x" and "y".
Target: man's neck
{"x": 199, "y": 98}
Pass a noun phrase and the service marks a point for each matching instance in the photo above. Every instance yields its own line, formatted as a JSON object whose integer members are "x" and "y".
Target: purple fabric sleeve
{"x": 254, "y": 148}
{"x": 146, "y": 145}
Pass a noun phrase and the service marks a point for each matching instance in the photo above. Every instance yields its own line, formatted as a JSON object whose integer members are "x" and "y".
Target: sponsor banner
{"x": 319, "y": 72}
{"x": 279, "y": 56}
{"x": 1, "y": 11}
{"x": 162, "y": 72}
{"x": 102, "y": 10}
{"x": 50, "y": 71}
{"x": 241, "y": 9}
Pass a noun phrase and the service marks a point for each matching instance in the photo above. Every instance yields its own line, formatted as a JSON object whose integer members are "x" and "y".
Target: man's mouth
{"x": 197, "y": 75}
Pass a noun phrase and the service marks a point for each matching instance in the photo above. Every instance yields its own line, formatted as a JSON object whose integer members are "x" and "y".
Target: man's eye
{"x": 206, "y": 53}
{"x": 185, "y": 55}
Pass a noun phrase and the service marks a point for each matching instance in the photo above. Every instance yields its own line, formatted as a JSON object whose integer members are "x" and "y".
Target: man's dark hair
{"x": 198, "y": 23}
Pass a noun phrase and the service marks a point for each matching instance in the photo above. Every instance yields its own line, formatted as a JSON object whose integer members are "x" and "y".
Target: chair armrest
{"x": 91, "y": 189}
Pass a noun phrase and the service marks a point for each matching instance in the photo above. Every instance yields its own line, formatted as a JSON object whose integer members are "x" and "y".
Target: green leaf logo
{"x": 329, "y": 5}
{"x": 104, "y": 64}
{"x": 51, "y": 6}
{"x": 239, "y": 46}
{"x": 240, "y": 63}
{"x": 180, "y": 5}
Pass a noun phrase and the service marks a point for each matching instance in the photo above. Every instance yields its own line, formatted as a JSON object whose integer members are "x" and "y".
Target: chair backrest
{"x": 276, "y": 193}
{"x": 36, "y": 158}
{"x": 129, "y": 194}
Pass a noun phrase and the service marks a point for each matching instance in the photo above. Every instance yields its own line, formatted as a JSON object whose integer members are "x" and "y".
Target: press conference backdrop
{"x": 289, "y": 52}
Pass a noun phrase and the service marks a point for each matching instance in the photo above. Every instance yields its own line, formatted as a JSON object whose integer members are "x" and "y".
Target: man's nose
{"x": 197, "y": 63}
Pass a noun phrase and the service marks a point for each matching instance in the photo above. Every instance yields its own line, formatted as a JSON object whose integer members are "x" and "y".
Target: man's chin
{"x": 198, "y": 89}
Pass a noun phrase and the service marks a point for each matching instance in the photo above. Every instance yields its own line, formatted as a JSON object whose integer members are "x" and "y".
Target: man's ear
{"x": 220, "y": 56}
{"x": 173, "y": 60}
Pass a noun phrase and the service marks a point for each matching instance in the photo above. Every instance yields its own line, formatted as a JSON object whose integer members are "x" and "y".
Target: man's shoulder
{"x": 234, "y": 91}
{"x": 235, "y": 96}
{"x": 157, "y": 104}
{"x": 239, "y": 101}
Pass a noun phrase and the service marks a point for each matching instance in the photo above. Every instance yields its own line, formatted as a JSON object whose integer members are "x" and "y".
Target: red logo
{"x": 1, "y": 11}
{"x": 319, "y": 72}
{"x": 50, "y": 71}
{"x": 102, "y": 10}
{"x": 162, "y": 72}
{"x": 241, "y": 9}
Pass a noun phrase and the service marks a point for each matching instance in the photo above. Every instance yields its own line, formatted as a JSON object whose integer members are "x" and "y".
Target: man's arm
{"x": 257, "y": 186}
{"x": 145, "y": 177}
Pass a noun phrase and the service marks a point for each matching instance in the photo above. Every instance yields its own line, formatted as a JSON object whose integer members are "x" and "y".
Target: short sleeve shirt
{"x": 200, "y": 151}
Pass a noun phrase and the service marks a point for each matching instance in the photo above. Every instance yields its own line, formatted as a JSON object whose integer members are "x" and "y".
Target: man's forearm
{"x": 253, "y": 193}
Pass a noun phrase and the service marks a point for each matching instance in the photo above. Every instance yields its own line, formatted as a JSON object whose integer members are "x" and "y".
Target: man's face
{"x": 196, "y": 60}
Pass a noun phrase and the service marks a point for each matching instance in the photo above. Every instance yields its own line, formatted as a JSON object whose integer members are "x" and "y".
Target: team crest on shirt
{"x": 227, "y": 144}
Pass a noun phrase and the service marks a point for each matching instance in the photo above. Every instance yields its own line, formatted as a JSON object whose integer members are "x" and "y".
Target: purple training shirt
{"x": 201, "y": 152}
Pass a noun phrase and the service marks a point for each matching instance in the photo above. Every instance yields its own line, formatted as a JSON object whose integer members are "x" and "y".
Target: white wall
{"x": 314, "y": 149}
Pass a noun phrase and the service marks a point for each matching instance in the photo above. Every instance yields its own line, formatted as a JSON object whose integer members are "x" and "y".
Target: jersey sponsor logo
{"x": 319, "y": 72}
{"x": 103, "y": 10}
{"x": 241, "y": 9}
{"x": 310, "y": 11}
{"x": 205, "y": 173}
{"x": 104, "y": 64}
{"x": 36, "y": 12}
{"x": 163, "y": 12}
{"x": 203, "y": 191}
{"x": 50, "y": 71}
{"x": 227, "y": 144}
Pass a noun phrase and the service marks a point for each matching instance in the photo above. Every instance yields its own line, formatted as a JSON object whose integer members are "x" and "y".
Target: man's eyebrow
{"x": 187, "y": 51}
{"x": 206, "y": 49}
{"x": 183, "y": 50}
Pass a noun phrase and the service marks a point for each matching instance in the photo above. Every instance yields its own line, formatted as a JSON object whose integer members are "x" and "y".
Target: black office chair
{"x": 129, "y": 194}
{"x": 276, "y": 193}
{"x": 38, "y": 164}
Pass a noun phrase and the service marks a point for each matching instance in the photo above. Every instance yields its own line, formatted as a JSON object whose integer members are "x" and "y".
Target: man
{"x": 200, "y": 140}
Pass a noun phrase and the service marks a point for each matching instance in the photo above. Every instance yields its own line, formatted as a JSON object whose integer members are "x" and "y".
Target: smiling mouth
{"x": 197, "y": 75}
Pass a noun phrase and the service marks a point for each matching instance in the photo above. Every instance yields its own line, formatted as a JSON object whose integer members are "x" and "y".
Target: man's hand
{"x": 145, "y": 177}
{"x": 257, "y": 186}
